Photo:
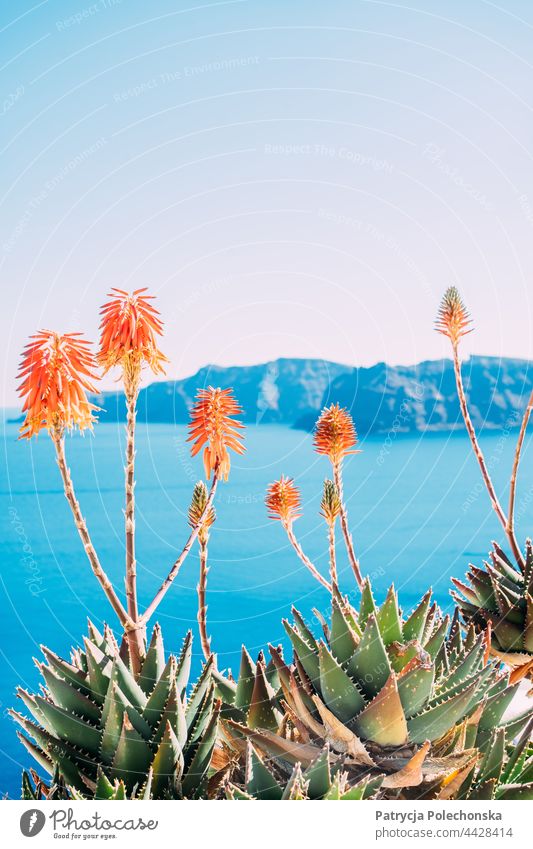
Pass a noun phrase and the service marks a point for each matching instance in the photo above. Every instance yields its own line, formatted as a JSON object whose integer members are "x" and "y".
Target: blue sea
{"x": 416, "y": 506}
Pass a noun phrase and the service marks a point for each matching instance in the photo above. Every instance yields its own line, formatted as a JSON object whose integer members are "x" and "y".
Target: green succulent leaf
{"x": 306, "y": 655}
{"x": 202, "y": 687}
{"x": 383, "y": 720}
{"x": 516, "y": 792}
{"x": 304, "y": 630}
{"x": 154, "y": 662}
{"x": 492, "y": 763}
{"x": 370, "y": 663}
{"x": 68, "y": 697}
{"x": 183, "y": 664}
{"x": 66, "y": 670}
{"x": 98, "y": 666}
{"x": 115, "y": 706}
{"x": 159, "y": 696}
{"x": 127, "y": 683}
{"x": 318, "y": 776}
{"x": 436, "y": 641}
{"x": 174, "y": 714}
{"x": 367, "y": 606}
{"x": 433, "y": 722}
{"x": 132, "y": 757}
{"x": 343, "y": 641}
{"x": 414, "y": 626}
{"x": 195, "y": 780}
{"x": 496, "y": 707}
{"x": 365, "y": 789}
{"x": 389, "y": 620}
{"x": 296, "y": 787}
{"x": 415, "y": 687}
{"x": 483, "y": 791}
{"x": 338, "y": 690}
{"x": 27, "y": 790}
{"x": 167, "y": 765}
{"x": 104, "y": 788}
{"x": 260, "y": 782}
{"x": 245, "y": 683}
{"x": 518, "y": 756}
{"x": 262, "y": 713}
{"x": 468, "y": 665}
{"x": 69, "y": 727}
{"x": 225, "y": 688}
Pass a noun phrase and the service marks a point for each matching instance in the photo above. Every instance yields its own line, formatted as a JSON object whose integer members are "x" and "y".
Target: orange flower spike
{"x": 213, "y": 429}
{"x": 129, "y": 327}
{"x": 56, "y": 373}
{"x": 335, "y": 434}
{"x": 453, "y": 318}
{"x": 283, "y": 500}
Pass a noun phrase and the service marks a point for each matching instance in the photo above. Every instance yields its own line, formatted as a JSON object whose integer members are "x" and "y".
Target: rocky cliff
{"x": 381, "y": 397}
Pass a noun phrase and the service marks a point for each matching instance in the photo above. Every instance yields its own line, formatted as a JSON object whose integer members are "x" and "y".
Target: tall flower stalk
{"x": 453, "y": 321}
{"x": 129, "y": 327}
{"x": 516, "y": 462}
{"x": 213, "y": 428}
{"x": 196, "y": 512}
{"x": 335, "y": 437}
{"x": 284, "y": 504}
{"x": 56, "y": 373}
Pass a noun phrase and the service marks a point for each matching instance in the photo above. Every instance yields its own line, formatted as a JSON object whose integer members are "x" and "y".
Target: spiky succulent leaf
{"x": 370, "y": 664}
{"x": 318, "y": 776}
{"x": 260, "y": 782}
{"x": 339, "y": 692}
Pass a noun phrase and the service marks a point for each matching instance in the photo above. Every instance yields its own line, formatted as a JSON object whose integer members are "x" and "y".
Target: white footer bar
{"x": 266, "y": 824}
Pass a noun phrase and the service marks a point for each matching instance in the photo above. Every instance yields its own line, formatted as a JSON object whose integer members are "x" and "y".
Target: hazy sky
{"x": 290, "y": 178}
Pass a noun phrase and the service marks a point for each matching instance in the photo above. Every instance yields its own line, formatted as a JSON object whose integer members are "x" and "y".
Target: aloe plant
{"x": 500, "y": 596}
{"x": 409, "y": 701}
{"x": 103, "y": 732}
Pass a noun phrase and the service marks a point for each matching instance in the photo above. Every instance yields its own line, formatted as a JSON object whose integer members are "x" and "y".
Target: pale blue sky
{"x": 291, "y": 179}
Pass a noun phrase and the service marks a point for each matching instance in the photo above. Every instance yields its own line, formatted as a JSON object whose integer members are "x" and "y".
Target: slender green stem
{"x": 509, "y": 531}
{"x": 129, "y": 514}
{"x": 202, "y": 606}
{"x": 136, "y": 637}
{"x": 354, "y": 562}
{"x": 303, "y": 557}
{"x": 124, "y": 619}
{"x": 332, "y": 556}
{"x": 165, "y": 586}
{"x": 516, "y": 463}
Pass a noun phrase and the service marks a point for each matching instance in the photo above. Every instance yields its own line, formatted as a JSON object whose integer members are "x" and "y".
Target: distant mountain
{"x": 382, "y": 397}
{"x": 422, "y": 397}
{"x": 282, "y": 391}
